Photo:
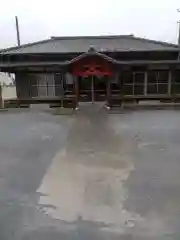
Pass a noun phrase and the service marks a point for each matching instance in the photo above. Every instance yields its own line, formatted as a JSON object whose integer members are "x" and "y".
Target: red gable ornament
{"x": 92, "y": 66}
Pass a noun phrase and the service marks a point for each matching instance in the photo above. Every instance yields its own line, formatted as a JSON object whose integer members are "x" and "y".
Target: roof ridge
{"x": 116, "y": 36}
{"x": 89, "y": 36}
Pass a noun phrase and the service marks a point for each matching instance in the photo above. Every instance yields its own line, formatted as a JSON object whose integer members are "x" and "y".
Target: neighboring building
{"x": 8, "y": 89}
{"x": 99, "y": 68}
{"x": 6, "y": 79}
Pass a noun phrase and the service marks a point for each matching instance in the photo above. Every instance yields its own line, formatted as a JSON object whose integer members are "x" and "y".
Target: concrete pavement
{"x": 91, "y": 175}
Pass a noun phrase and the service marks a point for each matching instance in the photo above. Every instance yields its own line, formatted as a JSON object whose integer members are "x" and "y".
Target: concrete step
{"x": 89, "y": 107}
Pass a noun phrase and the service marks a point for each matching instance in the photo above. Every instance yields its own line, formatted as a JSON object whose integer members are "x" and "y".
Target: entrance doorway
{"x": 92, "y": 71}
{"x": 92, "y": 89}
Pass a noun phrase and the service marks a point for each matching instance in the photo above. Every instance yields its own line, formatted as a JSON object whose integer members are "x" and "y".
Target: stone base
{"x": 54, "y": 105}
{"x": 24, "y": 105}
{"x": 3, "y": 109}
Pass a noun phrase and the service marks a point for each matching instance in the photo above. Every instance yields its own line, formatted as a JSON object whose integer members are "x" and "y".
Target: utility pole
{"x": 178, "y": 10}
{"x": 17, "y": 31}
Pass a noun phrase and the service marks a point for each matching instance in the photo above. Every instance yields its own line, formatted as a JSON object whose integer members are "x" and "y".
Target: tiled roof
{"x": 99, "y": 43}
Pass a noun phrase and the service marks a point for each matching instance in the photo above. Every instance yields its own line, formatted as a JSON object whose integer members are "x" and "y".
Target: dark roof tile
{"x": 83, "y": 43}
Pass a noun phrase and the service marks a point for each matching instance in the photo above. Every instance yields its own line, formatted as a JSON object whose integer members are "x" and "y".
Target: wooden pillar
{"x": 59, "y": 86}
{"x": 173, "y": 76}
{"x": 22, "y": 88}
{"x": 92, "y": 89}
{"x": 169, "y": 82}
{"x": 1, "y": 98}
{"x": 108, "y": 91}
{"x": 76, "y": 90}
{"x": 121, "y": 84}
{"x": 60, "y": 81}
{"x": 145, "y": 82}
{"x": 121, "y": 88}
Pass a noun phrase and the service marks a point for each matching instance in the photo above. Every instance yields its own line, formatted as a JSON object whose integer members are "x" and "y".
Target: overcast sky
{"x": 40, "y": 19}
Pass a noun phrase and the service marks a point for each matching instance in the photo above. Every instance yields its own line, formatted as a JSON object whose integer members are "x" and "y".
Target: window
{"x": 176, "y": 82}
{"x": 69, "y": 79}
{"x": 42, "y": 85}
{"x": 133, "y": 83}
{"x": 138, "y": 83}
{"x": 115, "y": 83}
{"x": 157, "y": 82}
{"x": 58, "y": 81}
{"x": 68, "y": 83}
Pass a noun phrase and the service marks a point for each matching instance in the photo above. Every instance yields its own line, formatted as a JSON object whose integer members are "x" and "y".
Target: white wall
{"x": 8, "y": 92}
